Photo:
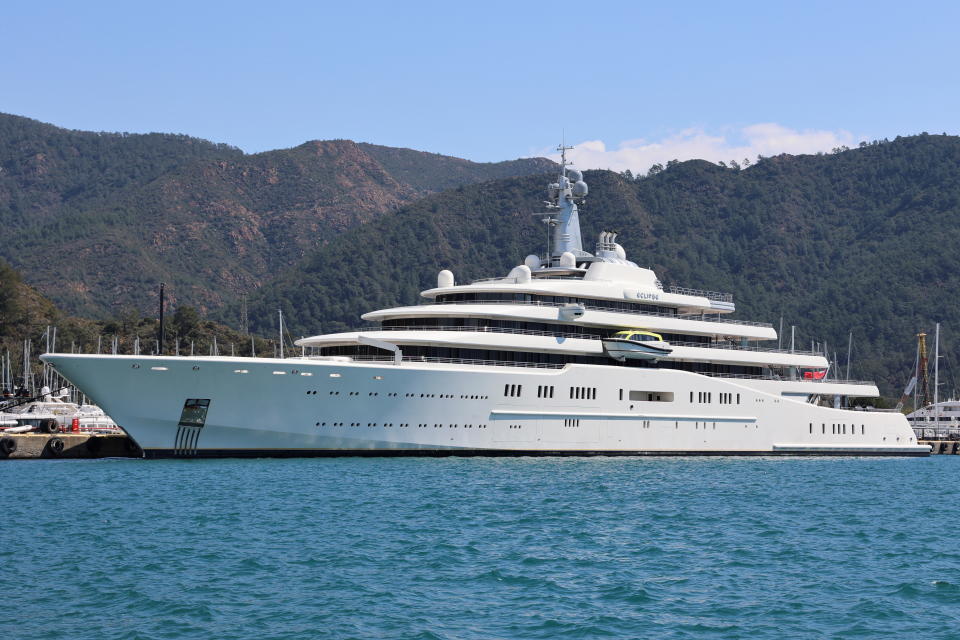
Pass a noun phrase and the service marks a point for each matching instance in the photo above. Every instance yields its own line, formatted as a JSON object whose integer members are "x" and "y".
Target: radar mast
{"x": 564, "y": 217}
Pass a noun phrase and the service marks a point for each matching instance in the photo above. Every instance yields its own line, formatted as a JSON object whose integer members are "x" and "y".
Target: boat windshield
{"x": 639, "y": 336}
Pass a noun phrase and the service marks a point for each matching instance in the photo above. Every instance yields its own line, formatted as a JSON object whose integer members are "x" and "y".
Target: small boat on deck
{"x": 636, "y": 344}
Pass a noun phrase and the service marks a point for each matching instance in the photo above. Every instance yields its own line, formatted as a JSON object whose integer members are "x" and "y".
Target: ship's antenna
{"x": 563, "y": 158}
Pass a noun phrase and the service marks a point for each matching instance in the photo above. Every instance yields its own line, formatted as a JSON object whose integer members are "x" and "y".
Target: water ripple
{"x": 481, "y": 548}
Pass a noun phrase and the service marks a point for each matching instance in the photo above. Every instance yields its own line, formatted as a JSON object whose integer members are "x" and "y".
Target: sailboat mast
{"x": 936, "y": 376}
{"x": 924, "y": 381}
{"x": 160, "y": 340}
{"x": 280, "y": 311}
{"x": 849, "y": 351}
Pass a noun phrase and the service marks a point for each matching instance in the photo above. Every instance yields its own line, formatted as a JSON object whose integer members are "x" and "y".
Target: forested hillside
{"x": 26, "y": 317}
{"x": 96, "y": 220}
{"x": 862, "y": 240}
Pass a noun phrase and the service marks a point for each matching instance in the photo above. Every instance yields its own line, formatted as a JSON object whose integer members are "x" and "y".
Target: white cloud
{"x": 765, "y": 139}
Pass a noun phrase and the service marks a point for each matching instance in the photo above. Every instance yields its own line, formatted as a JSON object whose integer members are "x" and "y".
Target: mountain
{"x": 96, "y": 220}
{"x": 861, "y": 240}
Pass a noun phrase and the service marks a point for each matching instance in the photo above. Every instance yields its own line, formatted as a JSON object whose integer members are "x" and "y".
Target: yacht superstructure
{"x": 937, "y": 421}
{"x": 507, "y": 366}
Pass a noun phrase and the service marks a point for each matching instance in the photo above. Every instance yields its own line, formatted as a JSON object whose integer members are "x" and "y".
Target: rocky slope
{"x": 96, "y": 220}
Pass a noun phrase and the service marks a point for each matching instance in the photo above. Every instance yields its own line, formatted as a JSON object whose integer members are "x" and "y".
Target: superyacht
{"x": 570, "y": 353}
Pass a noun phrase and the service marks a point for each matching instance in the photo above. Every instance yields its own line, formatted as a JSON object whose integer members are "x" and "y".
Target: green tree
{"x": 186, "y": 321}
{"x": 10, "y": 307}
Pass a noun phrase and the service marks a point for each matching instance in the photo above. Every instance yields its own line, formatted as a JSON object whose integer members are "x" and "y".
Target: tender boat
{"x": 636, "y": 344}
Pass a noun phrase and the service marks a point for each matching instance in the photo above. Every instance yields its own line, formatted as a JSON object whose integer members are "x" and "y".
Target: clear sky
{"x": 630, "y": 83}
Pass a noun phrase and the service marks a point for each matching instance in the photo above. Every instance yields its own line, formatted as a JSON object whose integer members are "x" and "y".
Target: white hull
{"x": 320, "y": 407}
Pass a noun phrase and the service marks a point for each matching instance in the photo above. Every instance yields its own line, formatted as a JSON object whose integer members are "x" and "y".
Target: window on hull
{"x": 651, "y": 396}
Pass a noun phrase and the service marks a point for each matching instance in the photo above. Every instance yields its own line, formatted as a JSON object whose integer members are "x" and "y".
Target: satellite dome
{"x": 620, "y": 252}
{"x": 568, "y": 260}
{"x": 444, "y": 279}
{"x": 532, "y": 261}
{"x": 579, "y": 188}
{"x": 520, "y": 275}
{"x": 574, "y": 175}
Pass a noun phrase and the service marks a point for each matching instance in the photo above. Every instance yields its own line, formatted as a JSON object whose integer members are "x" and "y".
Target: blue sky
{"x": 629, "y": 82}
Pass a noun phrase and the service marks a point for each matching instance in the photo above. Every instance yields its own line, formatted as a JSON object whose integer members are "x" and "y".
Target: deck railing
{"x": 716, "y": 296}
{"x": 554, "y": 365}
{"x": 583, "y": 336}
{"x": 699, "y": 317}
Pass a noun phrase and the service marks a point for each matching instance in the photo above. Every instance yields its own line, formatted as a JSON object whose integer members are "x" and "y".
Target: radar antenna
{"x": 564, "y": 163}
{"x": 561, "y": 217}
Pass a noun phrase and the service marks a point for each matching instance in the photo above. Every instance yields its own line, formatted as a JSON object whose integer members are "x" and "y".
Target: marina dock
{"x": 943, "y": 447}
{"x": 24, "y": 446}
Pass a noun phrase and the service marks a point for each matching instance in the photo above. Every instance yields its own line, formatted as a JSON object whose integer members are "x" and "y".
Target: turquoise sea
{"x": 481, "y": 548}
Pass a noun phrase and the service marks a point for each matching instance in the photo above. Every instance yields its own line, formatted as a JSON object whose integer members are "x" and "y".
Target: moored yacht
{"x": 520, "y": 364}
{"x": 940, "y": 420}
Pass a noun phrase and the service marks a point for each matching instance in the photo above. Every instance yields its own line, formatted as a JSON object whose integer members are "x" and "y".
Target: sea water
{"x": 481, "y": 548}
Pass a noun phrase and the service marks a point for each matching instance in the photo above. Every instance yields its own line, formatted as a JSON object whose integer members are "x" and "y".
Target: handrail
{"x": 535, "y": 276}
{"x": 552, "y": 365}
{"x": 715, "y": 296}
{"x": 505, "y": 280}
{"x": 580, "y": 336}
{"x": 780, "y": 379}
{"x": 704, "y": 317}
{"x": 492, "y": 363}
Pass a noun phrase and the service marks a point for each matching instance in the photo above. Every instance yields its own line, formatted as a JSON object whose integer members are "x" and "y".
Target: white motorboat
{"x": 636, "y": 344}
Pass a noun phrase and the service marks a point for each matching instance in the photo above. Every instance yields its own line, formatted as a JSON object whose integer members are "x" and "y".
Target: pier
{"x": 943, "y": 447}
{"x": 25, "y": 446}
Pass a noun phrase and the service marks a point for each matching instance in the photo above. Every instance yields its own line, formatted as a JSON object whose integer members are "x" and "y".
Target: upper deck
{"x": 596, "y": 281}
